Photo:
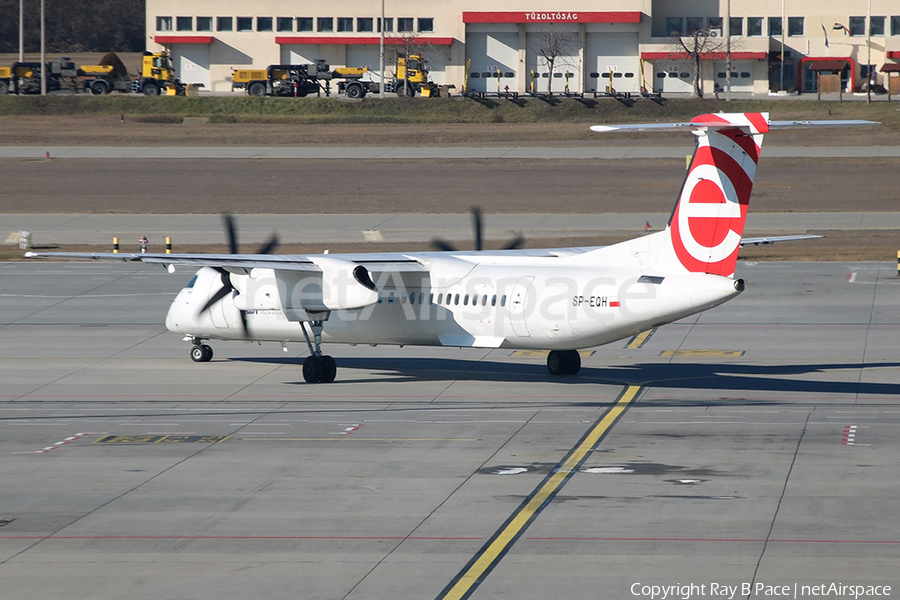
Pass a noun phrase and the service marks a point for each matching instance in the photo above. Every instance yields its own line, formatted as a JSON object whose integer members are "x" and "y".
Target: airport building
{"x": 491, "y": 45}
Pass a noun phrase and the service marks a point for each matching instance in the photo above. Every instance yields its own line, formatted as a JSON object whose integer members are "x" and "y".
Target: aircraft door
{"x": 518, "y": 305}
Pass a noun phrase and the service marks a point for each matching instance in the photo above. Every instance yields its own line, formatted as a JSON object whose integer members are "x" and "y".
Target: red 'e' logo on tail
{"x": 709, "y": 219}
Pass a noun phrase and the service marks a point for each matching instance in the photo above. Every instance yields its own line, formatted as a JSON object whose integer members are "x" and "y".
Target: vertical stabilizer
{"x": 708, "y": 221}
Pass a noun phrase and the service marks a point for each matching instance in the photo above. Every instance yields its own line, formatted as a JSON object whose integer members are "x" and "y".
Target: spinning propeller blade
{"x": 478, "y": 226}
{"x": 227, "y": 287}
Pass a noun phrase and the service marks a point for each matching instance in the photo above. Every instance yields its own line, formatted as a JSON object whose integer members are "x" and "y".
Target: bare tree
{"x": 553, "y": 46}
{"x": 699, "y": 45}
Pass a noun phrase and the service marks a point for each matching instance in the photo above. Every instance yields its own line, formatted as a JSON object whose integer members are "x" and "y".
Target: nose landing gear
{"x": 201, "y": 352}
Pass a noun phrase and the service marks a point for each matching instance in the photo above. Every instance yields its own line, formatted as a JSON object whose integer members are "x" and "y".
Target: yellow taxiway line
{"x": 492, "y": 552}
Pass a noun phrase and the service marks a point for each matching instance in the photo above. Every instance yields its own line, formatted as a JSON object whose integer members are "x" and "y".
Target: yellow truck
{"x": 411, "y": 78}
{"x": 157, "y": 75}
{"x": 25, "y": 77}
{"x": 302, "y": 80}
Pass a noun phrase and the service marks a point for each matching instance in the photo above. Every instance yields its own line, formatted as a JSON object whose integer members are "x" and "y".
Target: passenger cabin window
{"x": 391, "y": 298}
{"x": 456, "y": 300}
{"x": 466, "y": 300}
{"x": 494, "y": 300}
{"x": 503, "y": 300}
{"x": 412, "y": 297}
{"x": 484, "y": 300}
{"x": 440, "y": 298}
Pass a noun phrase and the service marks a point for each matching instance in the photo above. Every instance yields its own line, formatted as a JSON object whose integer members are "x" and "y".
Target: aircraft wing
{"x": 245, "y": 262}
{"x": 771, "y": 239}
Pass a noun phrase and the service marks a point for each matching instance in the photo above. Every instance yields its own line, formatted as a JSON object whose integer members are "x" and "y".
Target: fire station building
{"x": 488, "y": 46}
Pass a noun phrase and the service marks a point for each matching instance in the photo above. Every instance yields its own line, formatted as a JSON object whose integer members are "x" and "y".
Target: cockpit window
{"x": 191, "y": 283}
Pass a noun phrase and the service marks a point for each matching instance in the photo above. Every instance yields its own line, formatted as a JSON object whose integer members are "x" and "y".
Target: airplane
{"x": 558, "y": 300}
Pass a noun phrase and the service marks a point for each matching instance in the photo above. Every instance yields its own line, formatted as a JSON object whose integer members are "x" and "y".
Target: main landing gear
{"x": 318, "y": 367}
{"x": 201, "y": 352}
{"x": 564, "y": 362}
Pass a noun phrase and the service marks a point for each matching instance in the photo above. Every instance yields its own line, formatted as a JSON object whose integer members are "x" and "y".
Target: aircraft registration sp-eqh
{"x": 560, "y": 300}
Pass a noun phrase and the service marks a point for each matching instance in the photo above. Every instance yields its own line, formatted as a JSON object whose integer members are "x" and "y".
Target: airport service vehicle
{"x": 561, "y": 300}
{"x": 25, "y": 77}
{"x": 157, "y": 75}
{"x": 411, "y": 77}
{"x": 301, "y": 80}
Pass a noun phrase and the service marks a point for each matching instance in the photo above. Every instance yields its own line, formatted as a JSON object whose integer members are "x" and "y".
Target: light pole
{"x": 869, "y": 52}
{"x": 728, "y": 51}
{"x": 21, "y": 31}
{"x": 381, "y": 55}
{"x": 43, "y": 55}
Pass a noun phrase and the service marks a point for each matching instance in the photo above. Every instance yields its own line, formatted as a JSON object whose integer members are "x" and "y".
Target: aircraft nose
{"x": 179, "y": 318}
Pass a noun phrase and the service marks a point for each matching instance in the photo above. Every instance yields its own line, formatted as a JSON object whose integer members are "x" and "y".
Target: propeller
{"x": 477, "y": 224}
{"x": 227, "y": 287}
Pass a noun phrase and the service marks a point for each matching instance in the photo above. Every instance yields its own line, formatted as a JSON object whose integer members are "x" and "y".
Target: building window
{"x": 895, "y": 25}
{"x": 245, "y": 23}
{"x": 857, "y": 26}
{"x": 204, "y": 23}
{"x": 285, "y": 23}
{"x": 404, "y": 24}
{"x": 164, "y": 23}
{"x": 714, "y": 22}
{"x": 345, "y": 24}
{"x": 775, "y": 29}
{"x": 876, "y": 25}
{"x": 264, "y": 23}
{"x": 365, "y": 24}
{"x": 304, "y": 23}
{"x": 224, "y": 24}
{"x": 795, "y": 26}
{"x": 754, "y": 26}
{"x": 737, "y": 26}
{"x": 388, "y": 24}
{"x": 694, "y": 24}
{"x": 184, "y": 23}
{"x": 324, "y": 24}
{"x": 426, "y": 25}
{"x": 674, "y": 25}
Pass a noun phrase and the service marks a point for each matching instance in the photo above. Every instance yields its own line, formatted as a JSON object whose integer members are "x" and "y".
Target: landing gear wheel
{"x": 329, "y": 369}
{"x": 556, "y": 362}
{"x": 201, "y": 353}
{"x": 313, "y": 368}
{"x": 564, "y": 362}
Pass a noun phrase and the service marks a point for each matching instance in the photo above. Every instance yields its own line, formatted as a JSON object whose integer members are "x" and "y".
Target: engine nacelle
{"x": 342, "y": 285}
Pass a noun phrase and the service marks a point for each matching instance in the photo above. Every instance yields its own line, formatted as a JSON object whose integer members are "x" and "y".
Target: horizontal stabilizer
{"x": 771, "y": 239}
{"x": 710, "y": 123}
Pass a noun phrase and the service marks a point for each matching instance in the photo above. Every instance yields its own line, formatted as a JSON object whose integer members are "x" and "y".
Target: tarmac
{"x": 754, "y": 444}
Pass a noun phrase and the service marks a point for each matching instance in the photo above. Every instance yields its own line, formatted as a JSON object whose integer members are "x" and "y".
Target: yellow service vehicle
{"x": 25, "y": 77}
{"x": 301, "y": 80}
{"x": 411, "y": 77}
{"x": 157, "y": 75}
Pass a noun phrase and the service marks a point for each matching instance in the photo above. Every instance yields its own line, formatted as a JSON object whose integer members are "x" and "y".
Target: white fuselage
{"x": 488, "y": 300}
